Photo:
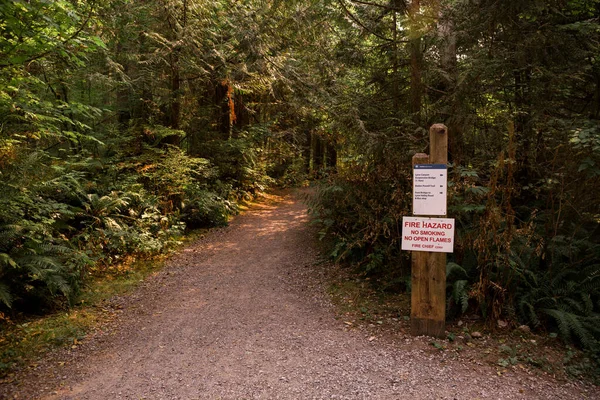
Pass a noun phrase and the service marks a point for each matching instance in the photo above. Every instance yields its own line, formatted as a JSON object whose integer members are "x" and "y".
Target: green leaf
{"x": 7, "y": 260}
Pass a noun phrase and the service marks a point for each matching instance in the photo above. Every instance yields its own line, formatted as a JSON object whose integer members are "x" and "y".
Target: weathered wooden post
{"x": 429, "y": 238}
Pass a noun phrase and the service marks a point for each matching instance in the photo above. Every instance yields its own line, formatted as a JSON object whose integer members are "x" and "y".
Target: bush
{"x": 239, "y": 164}
{"x": 37, "y": 261}
{"x": 61, "y": 219}
{"x": 206, "y": 209}
{"x": 360, "y": 214}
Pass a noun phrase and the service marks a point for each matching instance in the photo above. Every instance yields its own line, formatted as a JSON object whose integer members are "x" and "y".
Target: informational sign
{"x": 428, "y": 234}
{"x": 430, "y": 188}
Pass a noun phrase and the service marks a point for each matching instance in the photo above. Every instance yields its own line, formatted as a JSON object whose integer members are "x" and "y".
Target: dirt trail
{"x": 239, "y": 315}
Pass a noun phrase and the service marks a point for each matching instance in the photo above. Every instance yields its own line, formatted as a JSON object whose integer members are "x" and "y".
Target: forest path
{"x": 240, "y": 315}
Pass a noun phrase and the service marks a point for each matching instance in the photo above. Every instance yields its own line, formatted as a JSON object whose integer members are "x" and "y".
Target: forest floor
{"x": 247, "y": 313}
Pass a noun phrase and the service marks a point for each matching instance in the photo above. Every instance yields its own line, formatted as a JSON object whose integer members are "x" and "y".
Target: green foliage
{"x": 26, "y": 36}
{"x": 206, "y": 209}
{"x": 512, "y": 356}
{"x": 239, "y": 164}
{"x": 124, "y": 123}
{"x": 60, "y": 219}
{"x": 360, "y": 213}
{"x": 458, "y": 287}
{"x": 566, "y": 298}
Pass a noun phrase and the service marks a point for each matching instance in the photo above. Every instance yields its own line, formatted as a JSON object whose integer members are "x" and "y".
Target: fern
{"x": 100, "y": 207}
{"x": 453, "y": 269}
{"x": 7, "y": 260}
{"x": 8, "y": 233}
{"x": 460, "y": 294}
{"x": 529, "y": 313}
{"x": 572, "y": 325}
{"x": 5, "y": 295}
{"x": 568, "y": 300}
{"x": 457, "y": 286}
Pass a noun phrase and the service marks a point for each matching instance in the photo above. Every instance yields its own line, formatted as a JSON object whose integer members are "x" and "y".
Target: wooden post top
{"x": 420, "y": 158}
{"x": 438, "y": 143}
{"x": 439, "y": 129}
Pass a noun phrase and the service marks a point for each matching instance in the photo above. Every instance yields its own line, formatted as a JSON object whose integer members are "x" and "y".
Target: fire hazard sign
{"x": 428, "y": 234}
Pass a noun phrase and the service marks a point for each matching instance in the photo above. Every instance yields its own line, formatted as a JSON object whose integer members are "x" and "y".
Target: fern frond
{"x": 455, "y": 269}
{"x": 528, "y": 313}
{"x": 5, "y": 296}
{"x": 570, "y": 325}
{"x": 57, "y": 283}
{"x": 5, "y": 259}
{"x": 572, "y": 305}
{"x": 40, "y": 265}
{"x": 546, "y": 301}
{"x": 529, "y": 277}
{"x": 591, "y": 284}
{"x": 9, "y": 232}
{"x": 588, "y": 304}
{"x": 460, "y": 294}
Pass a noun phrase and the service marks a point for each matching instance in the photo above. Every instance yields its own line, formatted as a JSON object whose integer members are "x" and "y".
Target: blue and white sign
{"x": 430, "y": 189}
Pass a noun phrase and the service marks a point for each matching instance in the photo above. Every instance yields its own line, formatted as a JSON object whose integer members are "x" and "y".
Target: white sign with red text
{"x": 428, "y": 234}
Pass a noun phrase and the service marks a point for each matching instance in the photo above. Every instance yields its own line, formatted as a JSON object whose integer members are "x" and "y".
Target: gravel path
{"x": 242, "y": 315}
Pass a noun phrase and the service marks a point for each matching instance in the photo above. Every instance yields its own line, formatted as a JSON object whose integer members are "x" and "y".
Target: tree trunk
{"x": 242, "y": 115}
{"x": 175, "y": 108}
{"x": 522, "y": 123}
{"x": 317, "y": 153}
{"x": 331, "y": 156}
{"x": 306, "y": 151}
{"x": 595, "y": 114}
{"x": 123, "y": 110}
{"x": 395, "y": 67}
{"x": 225, "y": 108}
{"x": 416, "y": 63}
{"x": 451, "y": 113}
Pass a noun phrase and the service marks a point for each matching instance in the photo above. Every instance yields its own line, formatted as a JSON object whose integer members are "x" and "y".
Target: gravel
{"x": 243, "y": 314}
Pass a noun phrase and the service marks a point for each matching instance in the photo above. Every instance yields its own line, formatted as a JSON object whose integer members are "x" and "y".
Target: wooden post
{"x": 428, "y": 296}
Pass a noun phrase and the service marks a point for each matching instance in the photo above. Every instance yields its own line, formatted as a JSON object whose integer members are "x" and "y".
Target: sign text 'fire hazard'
{"x": 428, "y": 234}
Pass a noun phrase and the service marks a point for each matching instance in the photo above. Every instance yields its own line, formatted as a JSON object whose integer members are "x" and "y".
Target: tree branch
{"x": 67, "y": 40}
{"x": 386, "y": 7}
{"x": 341, "y": 2}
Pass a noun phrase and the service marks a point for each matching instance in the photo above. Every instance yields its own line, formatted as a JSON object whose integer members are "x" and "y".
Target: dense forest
{"x": 125, "y": 123}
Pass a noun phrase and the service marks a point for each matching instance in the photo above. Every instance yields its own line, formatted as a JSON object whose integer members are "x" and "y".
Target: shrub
{"x": 205, "y": 209}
